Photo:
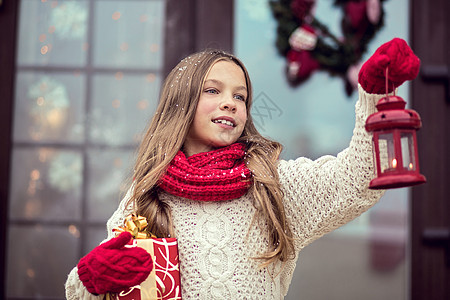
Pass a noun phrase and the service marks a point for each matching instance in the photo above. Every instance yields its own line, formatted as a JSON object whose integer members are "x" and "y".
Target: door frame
{"x": 8, "y": 29}
{"x": 430, "y": 207}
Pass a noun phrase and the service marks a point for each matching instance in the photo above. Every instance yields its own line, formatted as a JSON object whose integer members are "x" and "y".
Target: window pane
{"x": 94, "y": 237}
{"x": 49, "y": 107}
{"x": 46, "y": 184}
{"x": 52, "y": 33}
{"x": 122, "y": 104}
{"x": 39, "y": 260}
{"x": 107, "y": 173}
{"x": 134, "y": 34}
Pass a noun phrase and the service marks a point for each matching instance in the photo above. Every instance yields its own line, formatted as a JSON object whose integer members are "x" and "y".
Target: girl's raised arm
{"x": 327, "y": 193}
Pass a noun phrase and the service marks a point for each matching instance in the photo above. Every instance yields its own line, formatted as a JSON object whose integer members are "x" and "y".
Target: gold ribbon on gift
{"x": 135, "y": 225}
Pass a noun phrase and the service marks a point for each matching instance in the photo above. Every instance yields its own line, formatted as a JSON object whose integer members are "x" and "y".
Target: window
{"x": 87, "y": 81}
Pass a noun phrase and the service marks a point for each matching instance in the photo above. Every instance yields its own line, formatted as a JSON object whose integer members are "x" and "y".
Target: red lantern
{"x": 395, "y": 144}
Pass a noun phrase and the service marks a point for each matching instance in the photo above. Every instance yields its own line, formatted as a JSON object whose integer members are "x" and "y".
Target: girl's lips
{"x": 224, "y": 120}
{"x": 226, "y": 126}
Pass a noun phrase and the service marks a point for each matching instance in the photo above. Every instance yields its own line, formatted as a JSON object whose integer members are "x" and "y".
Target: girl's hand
{"x": 111, "y": 267}
{"x": 402, "y": 62}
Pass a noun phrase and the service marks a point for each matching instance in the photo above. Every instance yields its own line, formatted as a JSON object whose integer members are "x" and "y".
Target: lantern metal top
{"x": 391, "y": 114}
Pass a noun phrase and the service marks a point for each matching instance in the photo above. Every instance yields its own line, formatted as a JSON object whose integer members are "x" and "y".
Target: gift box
{"x": 163, "y": 283}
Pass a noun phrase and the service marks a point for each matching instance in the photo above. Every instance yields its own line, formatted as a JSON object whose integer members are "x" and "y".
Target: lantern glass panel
{"x": 407, "y": 142}
{"x": 375, "y": 156}
{"x": 388, "y": 162}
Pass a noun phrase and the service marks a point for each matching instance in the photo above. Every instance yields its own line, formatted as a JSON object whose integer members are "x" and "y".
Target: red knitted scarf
{"x": 216, "y": 175}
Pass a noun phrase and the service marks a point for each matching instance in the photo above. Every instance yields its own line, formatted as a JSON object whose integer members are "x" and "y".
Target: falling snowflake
{"x": 65, "y": 172}
{"x": 48, "y": 94}
{"x": 106, "y": 127}
{"x": 69, "y": 20}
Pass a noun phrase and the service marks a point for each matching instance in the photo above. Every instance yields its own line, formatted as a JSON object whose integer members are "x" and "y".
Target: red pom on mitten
{"x": 111, "y": 267}
{"x": 402, "y": 62}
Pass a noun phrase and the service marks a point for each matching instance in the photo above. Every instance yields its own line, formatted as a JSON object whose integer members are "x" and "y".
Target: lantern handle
{"x": 387, "y": 83}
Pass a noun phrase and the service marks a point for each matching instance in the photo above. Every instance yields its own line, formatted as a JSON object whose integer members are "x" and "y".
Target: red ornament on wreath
{"x": 300, "y": 65}
{"x": 356, "y": 13}
{"x": 301, "y": 8}
{"x": 303, "y": 38}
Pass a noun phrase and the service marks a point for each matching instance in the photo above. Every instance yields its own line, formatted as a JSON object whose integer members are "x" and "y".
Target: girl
{"x": 206, "y": 176}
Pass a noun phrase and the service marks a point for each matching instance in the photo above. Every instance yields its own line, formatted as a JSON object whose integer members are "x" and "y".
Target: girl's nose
{"x": 228, "y": 104}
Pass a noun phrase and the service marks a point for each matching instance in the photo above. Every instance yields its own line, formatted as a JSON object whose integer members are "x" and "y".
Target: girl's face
{"x": 221, "y": 111}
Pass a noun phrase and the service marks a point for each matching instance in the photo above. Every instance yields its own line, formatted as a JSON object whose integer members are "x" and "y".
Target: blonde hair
{"x": 165, "y": 137}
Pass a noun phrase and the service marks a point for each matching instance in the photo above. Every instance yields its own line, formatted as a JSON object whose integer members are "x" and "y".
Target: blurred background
{"x": 80, "y": 80}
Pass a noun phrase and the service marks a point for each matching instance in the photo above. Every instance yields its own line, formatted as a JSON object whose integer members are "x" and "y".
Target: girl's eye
{"x": 212, "y": 91}
{"x": 240, "y": 97}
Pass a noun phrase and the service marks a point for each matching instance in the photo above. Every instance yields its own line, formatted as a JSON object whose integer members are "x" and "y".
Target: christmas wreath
{"x": 309, "y": 45}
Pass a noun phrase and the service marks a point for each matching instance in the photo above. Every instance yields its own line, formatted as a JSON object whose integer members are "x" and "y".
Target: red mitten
{"x": 111, "y": 267}
{"x": 402, "y": 62}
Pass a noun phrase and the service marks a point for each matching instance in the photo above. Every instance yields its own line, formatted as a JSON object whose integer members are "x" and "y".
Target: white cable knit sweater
{"x": 214, "y": 239}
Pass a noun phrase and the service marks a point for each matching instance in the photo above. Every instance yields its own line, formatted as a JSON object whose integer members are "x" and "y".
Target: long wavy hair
{"x": 165, "y": 137}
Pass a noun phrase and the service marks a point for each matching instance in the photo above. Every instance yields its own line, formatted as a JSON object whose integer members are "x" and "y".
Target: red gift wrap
{"x": 163, "y": 283}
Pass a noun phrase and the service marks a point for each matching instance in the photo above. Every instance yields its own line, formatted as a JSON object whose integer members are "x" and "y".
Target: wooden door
{"x": 430, "y": 265}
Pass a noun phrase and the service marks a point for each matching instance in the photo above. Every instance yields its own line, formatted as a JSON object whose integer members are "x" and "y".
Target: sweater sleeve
{"x": 322, "y": 195}
{"x": 75, "y": 289}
